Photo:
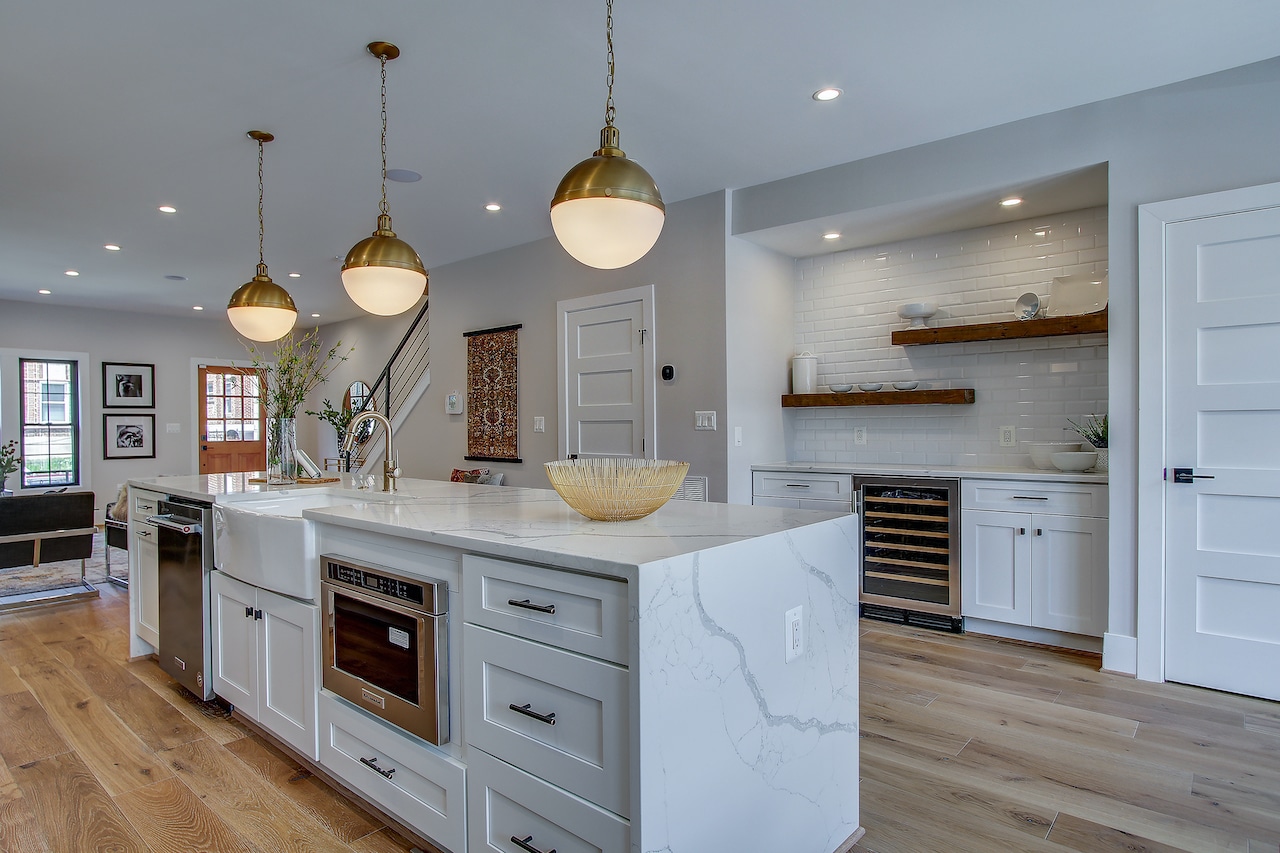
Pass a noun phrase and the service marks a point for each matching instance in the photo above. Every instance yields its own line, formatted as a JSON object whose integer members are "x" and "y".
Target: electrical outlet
{"x": 860, "y": 435}
{"x": 795, "y": 633}
{"x": 1008, "y": 437}
{"x": 539, "y": 424}
{"x": 737, "y": 436}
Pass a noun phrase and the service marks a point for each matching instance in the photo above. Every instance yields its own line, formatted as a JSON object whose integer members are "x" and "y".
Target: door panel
{"x": 1222, "y": 400}
{"x": 232, "y": 432}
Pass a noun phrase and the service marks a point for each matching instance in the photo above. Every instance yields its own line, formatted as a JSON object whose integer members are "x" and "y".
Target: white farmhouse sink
{"x": 263, "y": 540}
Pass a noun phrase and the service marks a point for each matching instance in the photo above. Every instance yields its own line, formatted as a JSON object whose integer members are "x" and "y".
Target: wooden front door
{"x": 232, "y": 432}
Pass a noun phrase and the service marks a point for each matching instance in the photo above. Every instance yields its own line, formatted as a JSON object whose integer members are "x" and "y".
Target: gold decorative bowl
{"x": 616, "y": 489}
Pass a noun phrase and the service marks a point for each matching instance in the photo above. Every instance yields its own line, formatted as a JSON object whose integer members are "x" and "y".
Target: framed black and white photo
{"x": 128, "y": 436}
{"x": 128, "y": 386}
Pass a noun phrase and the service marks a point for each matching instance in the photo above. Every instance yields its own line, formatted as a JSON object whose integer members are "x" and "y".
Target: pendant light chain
{"x": 385, "y": 208}
{"x": 261, "y": 262}
{"x": 608, "y": 105}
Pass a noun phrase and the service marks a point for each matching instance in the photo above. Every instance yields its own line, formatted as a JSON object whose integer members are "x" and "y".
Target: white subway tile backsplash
{"x": 846, "y": 308}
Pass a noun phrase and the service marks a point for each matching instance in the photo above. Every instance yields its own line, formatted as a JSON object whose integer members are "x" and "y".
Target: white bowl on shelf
{"x": 917, "y": 313}
{"x": 841, "y": 389}
{"x": 1081, "y": 460}
{"x": 1041, "y": 451}
{"x": 906, "y": 385}
{"x": 870, "y": 386}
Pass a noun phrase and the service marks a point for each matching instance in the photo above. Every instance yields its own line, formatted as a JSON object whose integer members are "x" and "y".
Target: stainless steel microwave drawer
{"x": 781, "y": 484}
{"x": 581, "y": 613}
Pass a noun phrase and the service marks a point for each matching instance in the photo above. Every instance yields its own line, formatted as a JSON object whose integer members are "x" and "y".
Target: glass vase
{"x": 282, "y": 451}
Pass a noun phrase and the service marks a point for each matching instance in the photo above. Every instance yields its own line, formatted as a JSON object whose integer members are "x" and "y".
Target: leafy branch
{"x": 293, "y": 370}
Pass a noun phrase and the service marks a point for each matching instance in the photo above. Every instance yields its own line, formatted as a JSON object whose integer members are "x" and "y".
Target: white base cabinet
{"x": 829, "y": 492}
{"x": 1044, "y": 568}
{"x": 266, "y": 659}
{"x": 144, "y": 572}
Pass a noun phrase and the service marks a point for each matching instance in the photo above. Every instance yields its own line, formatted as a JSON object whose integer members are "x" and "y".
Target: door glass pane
{"x": 213, "y": 384}
{"x": 233, "y": 407}
{"x": 216, "y": 431}
{"x": 250, "y": 430}
{"x": 233, "y": 384}
{"x": 250, "y": 385}
{"x": 213, "y": 407}
{"x": 234, "y": 431}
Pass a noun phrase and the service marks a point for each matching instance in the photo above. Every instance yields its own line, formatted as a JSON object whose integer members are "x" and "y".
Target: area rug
{"x": 65, "y": 573}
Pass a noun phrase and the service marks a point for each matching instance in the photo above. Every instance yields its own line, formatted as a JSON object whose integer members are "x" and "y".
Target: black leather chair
{"x": 37, "y": 529}
{"x": 116, "y": 535}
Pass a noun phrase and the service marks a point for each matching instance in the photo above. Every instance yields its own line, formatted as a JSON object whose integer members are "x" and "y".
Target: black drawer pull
{"x": 248, "y": 612}
{"x": 541, "y": 608}
{"x": 257, "y": 615}
{"x": 799, "y": 486}
{"x": 372, "y": 764}
{"x": 525, "y": 845}
{"x": 549, "y": 719}
{"x": 1030, "y": 498}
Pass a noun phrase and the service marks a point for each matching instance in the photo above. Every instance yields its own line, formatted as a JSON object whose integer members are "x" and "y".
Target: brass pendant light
{"x": 607, "y": 211}
{"x": 382, "y": 273}
{"x": 260, "y": 309}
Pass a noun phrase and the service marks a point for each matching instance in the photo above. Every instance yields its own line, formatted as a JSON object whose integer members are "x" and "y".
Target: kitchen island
{"x": 712, "y": 723}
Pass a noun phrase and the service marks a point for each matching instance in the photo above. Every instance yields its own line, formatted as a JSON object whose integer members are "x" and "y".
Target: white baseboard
{"x": 1120, "y": 654}
{"x": 1027, "y": 634}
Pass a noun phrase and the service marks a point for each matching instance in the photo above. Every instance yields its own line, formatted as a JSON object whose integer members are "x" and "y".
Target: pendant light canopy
{"x": 607, "y": 211}
{"x": 382, "y": 273}
{"x": 260, "y": 309}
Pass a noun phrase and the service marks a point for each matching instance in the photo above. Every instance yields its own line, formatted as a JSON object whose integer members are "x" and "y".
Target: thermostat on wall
{"x": 453, "y": 403}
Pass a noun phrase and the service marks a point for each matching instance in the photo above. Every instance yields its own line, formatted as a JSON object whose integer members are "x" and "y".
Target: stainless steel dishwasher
{"x": 186, "y": 558}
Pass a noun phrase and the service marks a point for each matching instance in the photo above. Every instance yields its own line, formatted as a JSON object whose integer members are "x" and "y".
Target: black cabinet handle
{"x": 549, "y": 719}
{"x": 248, "y": 612}
{"x": 1022, "y": 531}
{"x": 525, "y": 845}
{"x": 1029, "y": 498}
{"x": 257, "y": 615}
{"x": 541, "y": 608}
{"x": 372, "y": 764}
{"x": 1039, "y": 532}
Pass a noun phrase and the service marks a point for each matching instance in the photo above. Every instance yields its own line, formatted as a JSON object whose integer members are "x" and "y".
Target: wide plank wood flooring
{"x": 968, "y": 744}
{"x": 100, "y": 754}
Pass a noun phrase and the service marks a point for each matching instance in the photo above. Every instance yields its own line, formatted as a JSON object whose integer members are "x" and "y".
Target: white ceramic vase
{"x": 1103, "y": 463}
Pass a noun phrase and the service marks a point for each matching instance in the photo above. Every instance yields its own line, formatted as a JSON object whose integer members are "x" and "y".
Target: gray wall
{"x": 522, "y": 285}
{"x": 167, "y": 342}
{"x": 1212, "y": 133}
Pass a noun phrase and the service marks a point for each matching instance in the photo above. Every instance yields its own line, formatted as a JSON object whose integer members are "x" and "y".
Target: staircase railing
{"x": 399, "y": 384}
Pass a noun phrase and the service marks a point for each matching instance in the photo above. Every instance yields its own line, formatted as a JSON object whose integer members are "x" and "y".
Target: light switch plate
{"x": 173, "y": 427}
{"x": 539, "y": 424}
{"x": 704, "y": 420}
{"x": 453, "y": 403}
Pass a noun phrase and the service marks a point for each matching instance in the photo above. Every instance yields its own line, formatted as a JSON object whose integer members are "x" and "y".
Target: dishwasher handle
{"x": 184, "y": 526}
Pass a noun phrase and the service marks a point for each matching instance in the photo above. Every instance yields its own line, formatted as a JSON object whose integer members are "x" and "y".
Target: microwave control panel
{"x": 391, "y": 587}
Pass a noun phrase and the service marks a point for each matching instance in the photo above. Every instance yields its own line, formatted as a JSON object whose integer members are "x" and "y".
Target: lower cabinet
{"x": 829, "y": 492}
{"x": 406, "y": 778}
{"x": 266, "y": 659}
{"x": 1035, "y": 568}
{"x": 144, "y": 568}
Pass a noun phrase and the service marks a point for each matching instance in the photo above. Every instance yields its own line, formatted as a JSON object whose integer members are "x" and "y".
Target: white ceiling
{"x": 108, "y": 110}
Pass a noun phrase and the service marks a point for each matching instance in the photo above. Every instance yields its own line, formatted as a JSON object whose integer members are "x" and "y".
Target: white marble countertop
{"x": 924, "y": 470}
{"x": 521, "y": 523}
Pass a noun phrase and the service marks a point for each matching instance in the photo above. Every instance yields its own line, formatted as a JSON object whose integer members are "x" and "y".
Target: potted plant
{"x": 1094, "y": 431}
{"x": 10, "y": 462}
{"x": 288, "y": 374}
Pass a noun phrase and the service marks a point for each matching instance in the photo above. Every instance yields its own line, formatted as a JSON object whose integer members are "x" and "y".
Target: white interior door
{"x": 606, "y": 382}
{"x": 1222, "y": 421}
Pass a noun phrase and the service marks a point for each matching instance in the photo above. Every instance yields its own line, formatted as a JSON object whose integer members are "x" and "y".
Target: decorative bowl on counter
{"x": 917, "y": 313}
{"x": 870, "y": 386}
{"x": 906, "y": 385}
{"x": 1081, "y": 460}
{"x": 616, "y": 489}
{"x": 1041, "y": 451}
{"x": 841, "y": 389}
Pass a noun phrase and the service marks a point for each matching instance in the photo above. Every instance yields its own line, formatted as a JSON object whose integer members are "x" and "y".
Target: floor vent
{"x": 954, "y": 624}
{"x": 692, "y": 489}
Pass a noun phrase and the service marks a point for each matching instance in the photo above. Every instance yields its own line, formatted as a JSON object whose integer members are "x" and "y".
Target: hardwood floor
{"x": 968, "y": 744}
{"x": 973, "y": 744}
{"x": 101, "y": 754}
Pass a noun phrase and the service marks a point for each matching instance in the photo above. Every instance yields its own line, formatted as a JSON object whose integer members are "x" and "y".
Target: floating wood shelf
{"x": 1080, "y": 324}
{"x": 879, "y": 398}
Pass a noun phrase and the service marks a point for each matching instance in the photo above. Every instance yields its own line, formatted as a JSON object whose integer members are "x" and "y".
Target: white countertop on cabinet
{"x": 926, "y": 470}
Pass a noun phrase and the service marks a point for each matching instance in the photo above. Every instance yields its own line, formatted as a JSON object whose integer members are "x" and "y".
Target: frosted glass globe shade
{"x": 607, "y": 233}
{"x": 258, "y": 323}
{"x": 384, "y": 290}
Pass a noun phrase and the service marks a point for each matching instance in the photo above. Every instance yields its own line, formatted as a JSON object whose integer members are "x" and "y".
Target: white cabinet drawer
{"x": 507, "y": 803}
{"x": 578, "y": 740}
{"x": 781, "y": 484}
{"x": 582, "y": 613}
{"x": 144, "y": 504}
{"x": 418, "y": 785}
{"x": 1083, "y": 499}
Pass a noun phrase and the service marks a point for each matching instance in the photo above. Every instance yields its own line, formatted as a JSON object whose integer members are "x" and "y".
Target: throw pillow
{"x": 462, "y": 475}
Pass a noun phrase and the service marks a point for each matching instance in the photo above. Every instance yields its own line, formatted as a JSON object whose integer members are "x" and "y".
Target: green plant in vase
{"x": 1095, "y": 431}
{"x": 10, "y": 462}
{"x": 286, "y": 376}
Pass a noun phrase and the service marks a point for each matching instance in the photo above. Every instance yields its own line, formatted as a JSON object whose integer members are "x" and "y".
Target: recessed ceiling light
{"x": 828, "y": 94}
{"x": 315, "y": 315}
{"x": 1012, "y": 201}
{"x": 165, "y": 208}
{"x": 176, "y": 277}
{"x": 44, "y": 292}
{"x": 493, "y": 207}
{"x": 404, "y": 176}
{"x": 72, "y": 273}
{"x": 111, "y": 247}
{"x": 831, "y": 235}
{"x": 197, "y": 307}
{"x": 295, "y": 275}
{"x": 1043, "y": 232}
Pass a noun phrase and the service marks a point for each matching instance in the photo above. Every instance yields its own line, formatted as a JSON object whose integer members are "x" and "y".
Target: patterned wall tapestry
{"x": 492, "y": 423}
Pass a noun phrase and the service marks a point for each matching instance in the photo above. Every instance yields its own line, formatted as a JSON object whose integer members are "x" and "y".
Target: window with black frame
{"x": 50, "y": 423}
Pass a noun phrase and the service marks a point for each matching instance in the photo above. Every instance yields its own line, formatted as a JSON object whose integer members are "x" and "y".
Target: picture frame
{"x": 128, "y": 436}
{"x": 128, "y": 386}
